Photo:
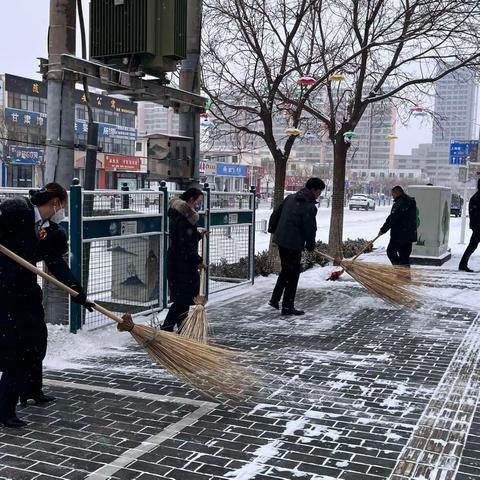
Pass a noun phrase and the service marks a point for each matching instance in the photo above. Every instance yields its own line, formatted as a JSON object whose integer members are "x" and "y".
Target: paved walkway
{"x": 353, "y": 390}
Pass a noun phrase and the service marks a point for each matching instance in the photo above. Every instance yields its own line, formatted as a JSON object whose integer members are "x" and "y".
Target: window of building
{"x": 138, "y": 147}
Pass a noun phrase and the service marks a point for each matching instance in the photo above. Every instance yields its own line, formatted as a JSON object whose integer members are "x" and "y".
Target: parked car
{"x": 456, "y": 205}
{"x": 361, "y": 202}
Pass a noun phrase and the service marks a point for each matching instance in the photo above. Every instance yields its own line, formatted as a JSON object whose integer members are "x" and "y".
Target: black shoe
{"x": 40, "y": 399}
{"x": 292, "y": 311}
{"x": 275, "y": 305}
{"x": 13, "y": 422}
{"x": 463, "y": 268}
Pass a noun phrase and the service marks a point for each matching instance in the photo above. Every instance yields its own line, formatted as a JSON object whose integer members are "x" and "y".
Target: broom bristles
{"x": 208, "y": 368}
{"x": 394, "y": 284}
{"x": 195, "y": 326}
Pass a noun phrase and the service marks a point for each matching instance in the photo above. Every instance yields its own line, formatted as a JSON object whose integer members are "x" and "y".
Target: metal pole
{"x": 464, "y": 209}
{"x": 61, "y": 94}
{"x": 189, "y": 118}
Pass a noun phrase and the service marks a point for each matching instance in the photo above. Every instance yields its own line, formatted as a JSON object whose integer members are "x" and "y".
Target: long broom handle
{"x": 366, "y": 247}
{"x": 56, "y": 282}
{"x": 202, "y": 271}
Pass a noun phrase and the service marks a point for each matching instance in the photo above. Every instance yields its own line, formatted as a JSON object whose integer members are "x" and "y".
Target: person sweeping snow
{"x": 29, "y": 227}
{"x": 183, "y": 260}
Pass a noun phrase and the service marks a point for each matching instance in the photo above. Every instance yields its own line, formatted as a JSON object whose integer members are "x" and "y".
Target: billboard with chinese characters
{"x": 25, "y": 118}
{"x": 460, "y": 151}
{"x": 209, "y": 169}
{"x": 107, "y": 130}
{"x": 36, "y": 88}
{"x": 25, "y": 155}
{"x": 231, "y": 170}
{"x": 124, "y": 163}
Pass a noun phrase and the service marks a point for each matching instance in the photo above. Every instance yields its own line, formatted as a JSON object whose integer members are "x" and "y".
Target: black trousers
{"x": 12, "y": 385}
{"x": 472, "y": 246}
{"x": 176, "y": 315}
{"x": 287, "y": 281}
{"x": 399, "y": 252}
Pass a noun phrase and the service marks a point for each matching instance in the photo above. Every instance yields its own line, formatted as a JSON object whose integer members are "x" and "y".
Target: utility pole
{"x": 61, "y": 94}
{"x": 60, "y": 123}
{"x": 189, "y": 118}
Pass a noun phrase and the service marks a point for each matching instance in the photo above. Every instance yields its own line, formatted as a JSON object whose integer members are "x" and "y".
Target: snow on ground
{"x": 68, "y": 351}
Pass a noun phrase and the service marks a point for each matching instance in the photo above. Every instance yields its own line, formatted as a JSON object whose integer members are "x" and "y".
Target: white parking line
{"x": 106, "y": 471}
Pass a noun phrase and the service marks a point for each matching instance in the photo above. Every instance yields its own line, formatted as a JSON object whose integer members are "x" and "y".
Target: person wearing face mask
{"x": 29, "y": 227}
{"x": 183, "y": 260}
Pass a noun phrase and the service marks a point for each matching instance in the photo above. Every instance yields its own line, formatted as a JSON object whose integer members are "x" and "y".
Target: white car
{"x": 361, "y": 202}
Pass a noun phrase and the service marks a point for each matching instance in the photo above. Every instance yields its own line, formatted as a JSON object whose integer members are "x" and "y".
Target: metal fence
{"x": 118, "y": 242}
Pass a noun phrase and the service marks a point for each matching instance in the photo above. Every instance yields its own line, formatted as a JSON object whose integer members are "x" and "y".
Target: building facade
{"x": 23, "y": 122}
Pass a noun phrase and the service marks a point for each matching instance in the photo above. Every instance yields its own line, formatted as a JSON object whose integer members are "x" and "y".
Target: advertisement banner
{"x": 294, "y": 182}
{"x": 25, "y": 155}
{"x": 121, "y": 162}
{"x": 231, "y": 170}
{"x": 107, "y": 130}
{"x": 208, "y": 169}
{"x": 26, "y": 118}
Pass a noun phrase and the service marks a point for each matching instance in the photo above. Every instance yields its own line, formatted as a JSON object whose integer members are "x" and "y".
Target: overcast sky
{"x": 23, "y": 38}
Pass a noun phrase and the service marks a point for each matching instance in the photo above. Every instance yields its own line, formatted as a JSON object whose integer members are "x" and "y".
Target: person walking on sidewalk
{"x": 29, "y": 227}
{"x": 474, "y": 214}
{"x": 294, "y": 226}
{"x": 402, "y": 223}
{"x": 183, "y": 260}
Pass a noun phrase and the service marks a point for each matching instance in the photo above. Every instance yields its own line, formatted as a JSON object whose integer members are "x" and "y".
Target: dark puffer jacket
{"x": 183, "y": 259}
{"x": 297, "y": 225}
{"x": 402, "y": 221}
{"x": 474, "y": 211}
{"x": 23, "y": 333}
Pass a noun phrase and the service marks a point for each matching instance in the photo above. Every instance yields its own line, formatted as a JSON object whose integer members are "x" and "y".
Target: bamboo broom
{"x": 336, "y": 275}
{"x": 392, "y": 283}
{"x": 195, "y": 326}
{"x": 210, "y": 369}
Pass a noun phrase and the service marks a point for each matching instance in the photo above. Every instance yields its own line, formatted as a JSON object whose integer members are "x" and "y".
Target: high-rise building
{"x": 154, "y": 118}
{"x": 456, "y": 98}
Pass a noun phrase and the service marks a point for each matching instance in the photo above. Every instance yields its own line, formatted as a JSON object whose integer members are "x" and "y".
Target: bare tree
{"x": 380, "y": 51}
{"x": 249, "y": 75}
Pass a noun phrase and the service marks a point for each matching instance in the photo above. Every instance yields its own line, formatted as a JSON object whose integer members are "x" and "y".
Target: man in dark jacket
{"x": 294, "y": 227}
{"x": 402, "y": 223}
{"x": 474, "y": 213}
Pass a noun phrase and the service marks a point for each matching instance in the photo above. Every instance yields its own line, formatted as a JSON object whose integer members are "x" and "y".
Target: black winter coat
{"x": 474, "y": 211}
{"x": 183, "y": 259}
{"x": 402, "y": 221}
{"x": 297, "y": 225}
{"x": 23, "y": 333}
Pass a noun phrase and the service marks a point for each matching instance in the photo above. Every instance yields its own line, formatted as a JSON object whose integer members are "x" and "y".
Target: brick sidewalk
{"x": 353, "y": 390}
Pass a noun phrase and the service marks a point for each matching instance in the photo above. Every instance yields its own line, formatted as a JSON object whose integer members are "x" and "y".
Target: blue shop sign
{"x": 231, "y": 170}
{"x": 107, "y": 130}
{"x": 25, "y": 155}
{"x": 26, "y": 118}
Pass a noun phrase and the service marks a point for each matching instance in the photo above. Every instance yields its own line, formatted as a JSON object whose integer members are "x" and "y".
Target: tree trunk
{"x": 278, "y": 195}
{"x": 280, "y": 174}
{"x": 335, "y": 239}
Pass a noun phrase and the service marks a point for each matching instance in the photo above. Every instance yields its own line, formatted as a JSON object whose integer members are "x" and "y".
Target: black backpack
{"x": 274, "y": 219}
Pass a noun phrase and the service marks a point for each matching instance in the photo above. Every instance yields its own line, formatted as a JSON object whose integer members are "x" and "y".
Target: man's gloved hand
{"x": 81, "y": 298}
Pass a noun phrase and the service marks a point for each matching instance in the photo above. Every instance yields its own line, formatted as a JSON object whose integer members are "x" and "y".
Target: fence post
{"x": 164, "y": 191}
{"x": 207, "y": 208}
{"x": 125, "y": 196}
{"x": 253, "y": 198}
{"x": 76, "y": 249}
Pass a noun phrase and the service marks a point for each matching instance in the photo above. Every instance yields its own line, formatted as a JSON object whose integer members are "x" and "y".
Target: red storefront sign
{"x": 122, "y": 162}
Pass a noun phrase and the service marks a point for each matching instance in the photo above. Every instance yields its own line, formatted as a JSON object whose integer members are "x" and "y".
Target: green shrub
{"x": 264, "y": 266}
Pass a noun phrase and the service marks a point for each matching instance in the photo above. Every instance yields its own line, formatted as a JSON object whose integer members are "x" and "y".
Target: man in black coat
{"x": 294, "y": 226}
{"x": 28, "y": 230}
{"x": 402, "y": 223}
{"x": 474, "y": 214}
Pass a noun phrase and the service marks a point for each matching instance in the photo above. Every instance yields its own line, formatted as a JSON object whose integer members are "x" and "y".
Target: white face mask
{"x": 58, "y": 216}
